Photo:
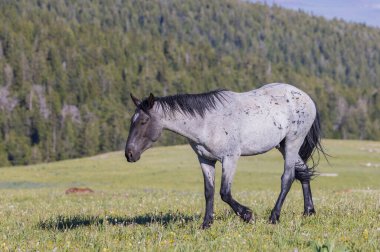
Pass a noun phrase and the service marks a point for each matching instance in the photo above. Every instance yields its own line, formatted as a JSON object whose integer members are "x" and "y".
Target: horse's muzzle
{"x": 131, "y": 156}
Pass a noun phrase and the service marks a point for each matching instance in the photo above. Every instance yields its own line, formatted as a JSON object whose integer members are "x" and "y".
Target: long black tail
{"x": 311, "y": 144}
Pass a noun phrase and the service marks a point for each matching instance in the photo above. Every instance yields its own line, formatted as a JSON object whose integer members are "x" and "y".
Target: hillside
{"x": 67, "y": 67}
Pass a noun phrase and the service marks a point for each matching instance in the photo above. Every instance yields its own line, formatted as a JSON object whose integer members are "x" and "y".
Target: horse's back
{"x": 275, "y": 95}
{"x": 267, "y": 115}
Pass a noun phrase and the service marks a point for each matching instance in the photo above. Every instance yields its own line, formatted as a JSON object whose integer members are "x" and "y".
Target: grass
{"x": 158, "y": 204}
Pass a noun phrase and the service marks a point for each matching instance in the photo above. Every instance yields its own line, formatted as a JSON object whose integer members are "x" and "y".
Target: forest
{"x": 67, "y": 67}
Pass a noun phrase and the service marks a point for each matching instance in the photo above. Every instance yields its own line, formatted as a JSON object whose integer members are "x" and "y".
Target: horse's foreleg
{"x": 228, "y": 171}
{"x": 208, "y": 169}
{"x": 286, "y": 182}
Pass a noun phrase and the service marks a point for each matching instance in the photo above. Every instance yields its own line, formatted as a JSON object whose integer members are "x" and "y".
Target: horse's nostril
{"x": 129, "y": 155}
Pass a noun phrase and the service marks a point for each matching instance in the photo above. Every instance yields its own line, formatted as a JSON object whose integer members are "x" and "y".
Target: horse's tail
{"x": 311, "y": 144}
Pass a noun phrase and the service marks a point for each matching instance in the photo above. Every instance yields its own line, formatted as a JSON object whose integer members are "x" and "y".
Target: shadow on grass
{"x": 62, "y": 223}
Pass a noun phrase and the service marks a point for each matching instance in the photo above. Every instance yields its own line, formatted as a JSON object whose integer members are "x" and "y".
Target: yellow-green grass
{"x": 158, "y": 204}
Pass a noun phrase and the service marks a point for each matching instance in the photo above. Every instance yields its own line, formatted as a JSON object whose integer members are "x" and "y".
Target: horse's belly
{"x": 259, "y": 139}
{"x": 254, "y": 149}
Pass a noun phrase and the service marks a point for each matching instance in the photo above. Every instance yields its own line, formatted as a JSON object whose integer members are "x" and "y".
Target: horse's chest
{"x": 203, "y": 151}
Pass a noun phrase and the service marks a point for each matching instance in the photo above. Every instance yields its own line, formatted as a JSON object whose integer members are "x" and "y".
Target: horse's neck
{"x": 187, "y": 126}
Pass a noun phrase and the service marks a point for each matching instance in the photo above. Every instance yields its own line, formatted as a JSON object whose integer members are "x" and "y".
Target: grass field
{"x": 158, "y": 204}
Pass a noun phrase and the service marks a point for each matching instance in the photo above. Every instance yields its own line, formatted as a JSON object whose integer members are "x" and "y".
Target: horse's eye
{"x": 144, "y": 121}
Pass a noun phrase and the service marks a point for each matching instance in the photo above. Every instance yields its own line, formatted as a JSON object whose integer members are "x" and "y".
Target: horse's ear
{"x": 135, "y": 100}
{"x": 151, "y": 100}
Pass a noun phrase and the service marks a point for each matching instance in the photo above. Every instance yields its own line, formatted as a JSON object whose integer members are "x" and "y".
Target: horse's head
{"x": 145, "y": 128}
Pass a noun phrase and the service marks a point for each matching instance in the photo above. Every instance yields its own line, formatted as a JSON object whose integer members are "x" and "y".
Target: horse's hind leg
{"x": 302, "y": 174}
{"x": 291, "y": 157}
{"x": 287, "y": 179}
{"x": 208, "y": 169}
{"x": 228, "y": 171}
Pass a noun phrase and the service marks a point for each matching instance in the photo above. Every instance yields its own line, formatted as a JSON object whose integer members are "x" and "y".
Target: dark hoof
{"x": 206, "y": 224}
{"x": 309, "y": 212}
{"x": 247, "y": 216}
{"x": 274, "y": 218}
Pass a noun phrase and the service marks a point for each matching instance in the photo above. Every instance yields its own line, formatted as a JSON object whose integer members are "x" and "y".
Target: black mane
{"x": 190, "y": 104}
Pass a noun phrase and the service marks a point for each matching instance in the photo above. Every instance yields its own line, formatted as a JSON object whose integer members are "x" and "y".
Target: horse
{"x": 222, "y": 125}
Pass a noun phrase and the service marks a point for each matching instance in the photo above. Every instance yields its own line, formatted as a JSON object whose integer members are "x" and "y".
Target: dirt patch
{"x": 77, "y": 190}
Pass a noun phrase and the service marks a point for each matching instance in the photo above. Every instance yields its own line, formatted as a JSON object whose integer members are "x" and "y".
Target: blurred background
{"x": 67, "y": 68}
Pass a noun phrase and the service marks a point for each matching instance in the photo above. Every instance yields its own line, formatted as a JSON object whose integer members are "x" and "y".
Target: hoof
{"x": 247, "y": 216}
{"x": 309, "y": 212}
{"x": 274, "y": 218}
{"x": 206, "y": 224}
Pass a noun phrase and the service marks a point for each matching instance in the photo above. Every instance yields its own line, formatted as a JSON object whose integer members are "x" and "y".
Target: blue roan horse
{"x": 222, "y": 126}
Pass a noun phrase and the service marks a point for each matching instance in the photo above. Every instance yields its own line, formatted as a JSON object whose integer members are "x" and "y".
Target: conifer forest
{"x": 67, "y": 68}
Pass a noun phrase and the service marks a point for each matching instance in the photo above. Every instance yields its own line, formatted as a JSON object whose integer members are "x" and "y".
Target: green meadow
{"x": 157, "y": 204}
